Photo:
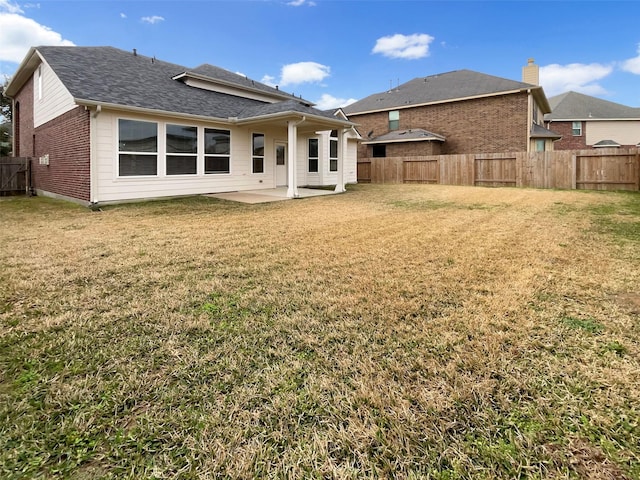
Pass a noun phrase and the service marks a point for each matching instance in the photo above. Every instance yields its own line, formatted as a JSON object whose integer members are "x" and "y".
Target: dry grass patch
{"x": 393, "y": 331}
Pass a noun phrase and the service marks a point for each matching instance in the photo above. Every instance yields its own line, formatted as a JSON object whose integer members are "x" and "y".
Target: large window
{"x": 313, "y": 155}
{"x": 576, "y": 129}
{"x": 258, "y": 153}
{"x": 137, "y": 148}
{"x": 333, "y": 151}
{"x": 217, "y": 150}
{"x": 394, "y": 120}
{"x": 182, "y": 150}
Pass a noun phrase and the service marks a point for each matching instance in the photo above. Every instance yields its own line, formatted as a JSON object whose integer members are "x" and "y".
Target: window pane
{"x": 313, "y": 147}
{"x": 333, "y": 148}
{"x": 216, "y": 164}
{"x": 217, "y": 141}
{"x": 258, "y": 144}
{"x": 258, "y": 165}
{"x": 333, "y": 165}
{"x": 181, "y": 139}
{"x": 280, "y": 151}
{"x": 131, "y": 164}
{"x": 136, "y": 136}
{"x": 181, "y": 165}
{"x": 379, "y": 151}
{"x": 395, "y": 115}
{"x": 313, "y": 165}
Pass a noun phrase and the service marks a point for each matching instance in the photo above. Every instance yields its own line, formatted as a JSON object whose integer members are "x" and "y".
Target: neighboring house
{"x": 107, "y": 125}
{"x": 454, "y": 113}
{"x": 589, "y": 122}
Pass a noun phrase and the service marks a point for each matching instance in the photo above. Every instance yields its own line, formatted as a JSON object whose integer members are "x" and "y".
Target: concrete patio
{"x": 269, "y": 195}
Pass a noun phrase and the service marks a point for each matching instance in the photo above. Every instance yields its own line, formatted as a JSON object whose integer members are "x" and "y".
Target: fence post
{"x": 574, "y": 171}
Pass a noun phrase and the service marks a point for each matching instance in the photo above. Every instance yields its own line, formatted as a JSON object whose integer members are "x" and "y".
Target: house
{"x": 588, "y": 122}
{"x": 454, "y": 113}
{"x": 106, "y": 125}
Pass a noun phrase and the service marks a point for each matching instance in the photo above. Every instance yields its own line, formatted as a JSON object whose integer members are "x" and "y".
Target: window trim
{"x": 216, "y": 155}
{"x": 396, "y": 121}
{"x": 167, "y": 154}
{"x": 156, "y": 154}
{"x": 337, "y": 157}
{"x": 316, "y": 158}
{"x": 574, "y": 128}
{"x": 254, "y": 157}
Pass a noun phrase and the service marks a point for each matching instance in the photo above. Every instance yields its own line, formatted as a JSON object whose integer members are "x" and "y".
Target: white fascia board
{"x": 425, "y": 139}
{"x": 150, "y": 111}
{"x": 294, "y": 115}
{"x": 439, "y": 102}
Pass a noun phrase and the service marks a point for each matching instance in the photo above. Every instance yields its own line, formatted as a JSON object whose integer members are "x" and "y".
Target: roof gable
{"x": 577, "y": 106}
{"x": 456, "y": 85}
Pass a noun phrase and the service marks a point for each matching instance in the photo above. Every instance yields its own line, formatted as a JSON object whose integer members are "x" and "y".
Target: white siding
{"x": 324, "y": 176}
{"x": 625, "y": 132}
{"x": 53, "y": 100}
{"x": 109, "y": 187}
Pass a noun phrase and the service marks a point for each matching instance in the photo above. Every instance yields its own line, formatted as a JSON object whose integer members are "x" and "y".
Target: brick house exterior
{"x": 471, "y": 111}
{"x": 67, "y": 173}
{"x": 597, "y": 122}
{"x": 103, "y": 125}
{"x": 464, "y": 125}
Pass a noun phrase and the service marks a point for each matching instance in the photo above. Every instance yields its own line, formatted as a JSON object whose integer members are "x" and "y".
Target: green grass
{"x": 390, "y": 332}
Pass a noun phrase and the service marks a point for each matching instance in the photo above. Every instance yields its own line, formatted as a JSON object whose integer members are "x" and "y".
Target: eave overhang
{"x": 275, "y": 95}
{"x": 24, "y": 72}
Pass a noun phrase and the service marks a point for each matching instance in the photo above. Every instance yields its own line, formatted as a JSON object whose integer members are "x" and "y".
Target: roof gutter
{"x": 284, "y": 115}
{"x": 146, "y": 111}
{"x": 438, "y": 102}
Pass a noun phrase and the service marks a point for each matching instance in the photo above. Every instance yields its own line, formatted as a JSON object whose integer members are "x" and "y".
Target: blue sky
{"x": 335, "y": 51}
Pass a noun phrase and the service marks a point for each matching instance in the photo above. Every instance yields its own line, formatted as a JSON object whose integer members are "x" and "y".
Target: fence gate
{"x": 14, "y": 175}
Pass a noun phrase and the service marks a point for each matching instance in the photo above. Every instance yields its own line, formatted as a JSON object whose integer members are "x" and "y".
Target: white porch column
{"x": 292, "y": 148}
{"x": 342, "y": 152}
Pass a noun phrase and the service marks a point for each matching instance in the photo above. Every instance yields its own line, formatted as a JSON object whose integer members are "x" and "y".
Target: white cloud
{"x": 153, "y": 19}
{"x": 577, "y": 77}
{"x": 7, "y": 6}
{"x": 328, "y": 102}
{"x": 19, "y": 33}
{"x": 410, "y": 47}
{"x": 269, "y": 80}
{"x": 123, "y": 15}
{"x": 303, "y": 72}
{"x": 299, "y": 3}
{"x": 633, "y": 64}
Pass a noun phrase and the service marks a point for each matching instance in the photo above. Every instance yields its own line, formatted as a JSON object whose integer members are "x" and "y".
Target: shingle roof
{"x": 577, "y": 106}
{"x": 111, "y": 76}
{"x": 436, "y": 88}
{"x": 219, "y": 73}
{"x": 538, "y": 131}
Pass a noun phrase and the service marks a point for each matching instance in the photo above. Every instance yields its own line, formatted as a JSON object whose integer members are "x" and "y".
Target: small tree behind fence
{"x": 601, "y": 169}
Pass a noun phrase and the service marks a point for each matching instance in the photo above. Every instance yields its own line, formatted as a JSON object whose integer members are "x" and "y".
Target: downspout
{"x": 530, "y": 108}
{"x": 292, "y": 147}
{"x": 93, "y": 168}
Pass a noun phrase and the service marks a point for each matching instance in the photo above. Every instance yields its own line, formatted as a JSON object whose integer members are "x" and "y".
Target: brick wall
{"x": 408, "y": 149}
{"x": 66, "y": 140}
{"x": 483, "y": 125}
{"x": 568, "y": 140}
{"x": 23, "y": 121}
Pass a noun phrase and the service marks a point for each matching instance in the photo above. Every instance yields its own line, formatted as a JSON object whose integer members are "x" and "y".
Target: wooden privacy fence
{"x": 15, "y": 175}
{"x": 601, "y": 169}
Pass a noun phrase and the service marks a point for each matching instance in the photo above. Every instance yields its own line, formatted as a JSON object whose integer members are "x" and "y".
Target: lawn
{"x": 405, "y": 331}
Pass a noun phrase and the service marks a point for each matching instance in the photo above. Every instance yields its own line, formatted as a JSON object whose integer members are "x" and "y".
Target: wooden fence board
{"x": 597, "y": 169}
{"x": 14, "y": 175}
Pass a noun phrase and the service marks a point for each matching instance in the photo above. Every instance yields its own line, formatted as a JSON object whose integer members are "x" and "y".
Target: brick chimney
{"x": 531, "y": 73}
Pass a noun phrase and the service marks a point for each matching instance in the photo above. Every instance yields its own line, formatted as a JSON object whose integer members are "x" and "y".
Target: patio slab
{"x": 269, "y": 195}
